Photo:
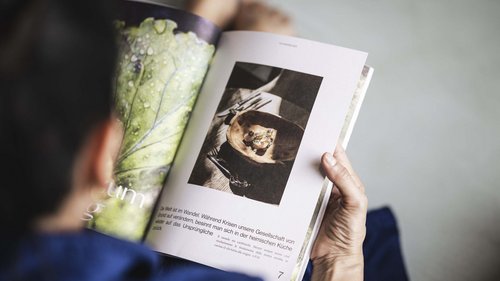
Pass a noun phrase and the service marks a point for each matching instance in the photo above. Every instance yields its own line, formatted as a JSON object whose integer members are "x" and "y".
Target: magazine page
{"x": 163, "y": 59}
{"x": 245, "y": 184}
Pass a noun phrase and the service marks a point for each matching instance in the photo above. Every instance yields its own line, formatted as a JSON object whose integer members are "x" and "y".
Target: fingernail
{"x": 330, "y": 160}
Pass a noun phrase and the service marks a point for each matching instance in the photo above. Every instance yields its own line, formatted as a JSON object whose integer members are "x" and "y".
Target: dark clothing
{"x": 88, "y": 255}
{"x": 382, "y": 250}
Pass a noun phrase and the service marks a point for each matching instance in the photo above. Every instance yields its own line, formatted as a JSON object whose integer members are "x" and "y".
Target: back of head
{"x": 56, "y": 64}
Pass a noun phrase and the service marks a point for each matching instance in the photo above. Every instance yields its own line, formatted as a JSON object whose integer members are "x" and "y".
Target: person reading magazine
{"x": 59, "y": 141}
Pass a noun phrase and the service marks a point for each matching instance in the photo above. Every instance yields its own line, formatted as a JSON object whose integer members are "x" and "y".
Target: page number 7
{"x": 280, "y": 273}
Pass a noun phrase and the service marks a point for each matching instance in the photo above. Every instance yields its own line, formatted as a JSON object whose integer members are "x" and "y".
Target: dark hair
{"x": 56, "y": 65}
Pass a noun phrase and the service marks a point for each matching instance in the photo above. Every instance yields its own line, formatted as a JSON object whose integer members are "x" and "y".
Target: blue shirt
{"x": 88, "y": 255}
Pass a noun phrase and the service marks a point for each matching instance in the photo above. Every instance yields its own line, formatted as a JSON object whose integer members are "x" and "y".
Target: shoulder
{"x": 89, "y": 255}
{"x": 83, "y": 255}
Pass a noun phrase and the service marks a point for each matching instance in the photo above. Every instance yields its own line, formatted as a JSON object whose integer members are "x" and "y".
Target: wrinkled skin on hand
{"x": 337, "y": 253}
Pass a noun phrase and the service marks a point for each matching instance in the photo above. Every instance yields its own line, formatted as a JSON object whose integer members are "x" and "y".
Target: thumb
{"x": 352, "y": 194}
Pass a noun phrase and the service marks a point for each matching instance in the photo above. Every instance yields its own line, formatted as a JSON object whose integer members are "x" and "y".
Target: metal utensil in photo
{"x": 237, "y": 105}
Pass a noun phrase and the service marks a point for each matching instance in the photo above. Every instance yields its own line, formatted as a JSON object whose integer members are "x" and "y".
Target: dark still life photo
{"x": 256, "y": 132}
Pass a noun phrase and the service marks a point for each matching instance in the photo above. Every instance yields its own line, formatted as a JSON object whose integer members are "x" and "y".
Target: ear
{"x": 107, "y": 141}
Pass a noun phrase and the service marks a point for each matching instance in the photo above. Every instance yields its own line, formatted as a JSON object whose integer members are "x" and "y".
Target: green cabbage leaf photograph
{"x": 159, "y": 74}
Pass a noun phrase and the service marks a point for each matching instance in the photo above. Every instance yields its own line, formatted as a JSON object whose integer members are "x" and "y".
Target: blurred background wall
{"x": 427, "y": 141}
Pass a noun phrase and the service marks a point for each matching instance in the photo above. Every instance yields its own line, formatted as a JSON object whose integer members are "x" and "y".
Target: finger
{"x": 351, "y": 193}
{"x": 341, "y": 157}
{"x": 335, "y": 191}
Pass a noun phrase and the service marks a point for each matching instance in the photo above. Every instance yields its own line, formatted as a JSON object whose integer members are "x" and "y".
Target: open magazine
{"x": 244, "y": 192}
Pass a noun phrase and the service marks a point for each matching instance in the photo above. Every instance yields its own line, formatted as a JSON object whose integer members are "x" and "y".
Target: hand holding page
{"x": 244, "y": 186}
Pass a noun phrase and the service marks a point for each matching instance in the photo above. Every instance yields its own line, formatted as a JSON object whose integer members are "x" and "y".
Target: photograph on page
{"x": 163, "y": 57}
{"x": 251, "y": 144}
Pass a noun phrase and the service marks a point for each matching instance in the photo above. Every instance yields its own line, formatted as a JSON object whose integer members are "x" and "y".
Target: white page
{"x": 290, "y": 219}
